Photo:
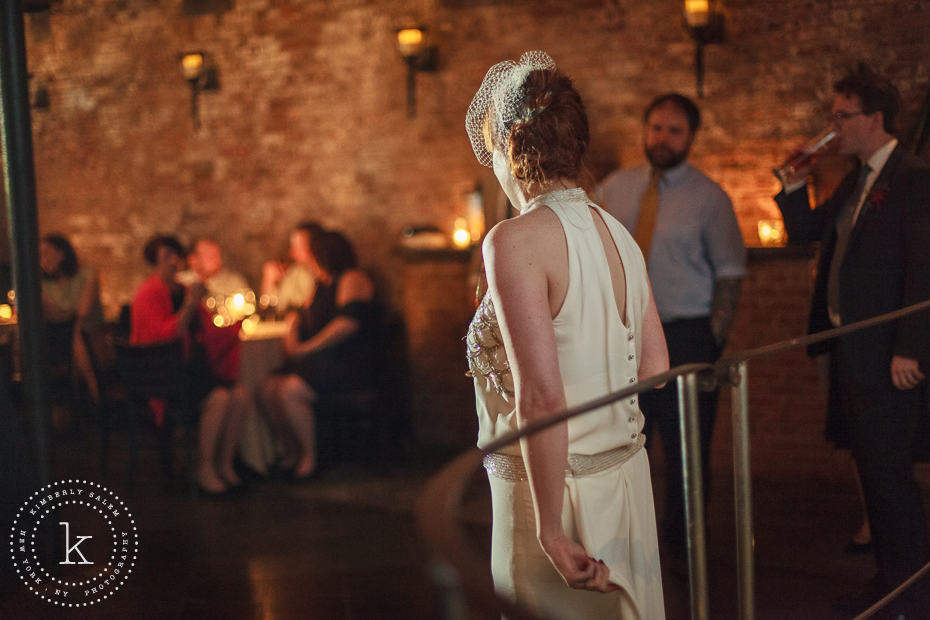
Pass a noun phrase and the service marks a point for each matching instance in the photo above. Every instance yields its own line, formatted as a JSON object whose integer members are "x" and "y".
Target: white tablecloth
{"x": 262, "y": 354}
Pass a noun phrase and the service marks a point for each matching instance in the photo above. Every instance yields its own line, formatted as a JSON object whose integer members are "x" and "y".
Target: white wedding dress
{"x": 610, "y": 512}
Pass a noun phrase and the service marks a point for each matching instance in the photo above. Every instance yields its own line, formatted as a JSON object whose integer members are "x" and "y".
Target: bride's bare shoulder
{"x": 538, "y": 223}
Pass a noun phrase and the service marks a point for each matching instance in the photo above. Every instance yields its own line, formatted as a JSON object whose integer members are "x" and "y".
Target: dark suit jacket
{"x": 886, "y": 266}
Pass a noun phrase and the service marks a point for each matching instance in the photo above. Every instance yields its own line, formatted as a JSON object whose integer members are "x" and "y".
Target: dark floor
{"x": 346, "y": 545}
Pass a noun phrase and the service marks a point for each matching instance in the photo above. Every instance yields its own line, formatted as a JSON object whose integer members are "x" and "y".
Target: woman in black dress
{"x": 329, "y": 346}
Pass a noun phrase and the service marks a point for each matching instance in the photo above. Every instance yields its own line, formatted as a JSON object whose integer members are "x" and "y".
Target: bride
{"x": 568, "y": 317}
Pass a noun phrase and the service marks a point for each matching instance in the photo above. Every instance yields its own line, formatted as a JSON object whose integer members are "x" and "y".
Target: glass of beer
{"x": 818, "y": 144}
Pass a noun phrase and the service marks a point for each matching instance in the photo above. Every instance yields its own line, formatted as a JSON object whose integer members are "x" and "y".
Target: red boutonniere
{"x": 877, "y": 197}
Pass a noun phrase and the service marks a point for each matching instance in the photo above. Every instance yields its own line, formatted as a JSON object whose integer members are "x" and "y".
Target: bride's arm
{"x": 514, "y": 253}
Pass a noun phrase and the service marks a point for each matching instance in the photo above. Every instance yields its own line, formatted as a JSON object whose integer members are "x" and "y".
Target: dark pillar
{"x": 19, "y": 179}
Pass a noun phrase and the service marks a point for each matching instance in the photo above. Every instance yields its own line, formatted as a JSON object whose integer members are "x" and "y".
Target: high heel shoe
{"x": 235, "y": 488}
{"x": 208, "y": 494}
{"x": 855, "y": 548}
{"x": 293, "y": 478}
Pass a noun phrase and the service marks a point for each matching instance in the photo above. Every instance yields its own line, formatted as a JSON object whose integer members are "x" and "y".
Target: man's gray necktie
{"x": 844, "y": 225}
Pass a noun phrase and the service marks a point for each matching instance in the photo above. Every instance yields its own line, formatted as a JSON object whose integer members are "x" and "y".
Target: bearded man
{"x": 687, "y": 230}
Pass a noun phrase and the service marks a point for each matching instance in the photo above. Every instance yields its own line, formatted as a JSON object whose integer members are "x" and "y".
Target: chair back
{"x": 151, "y": 370}
{"x": 101, "y": 353}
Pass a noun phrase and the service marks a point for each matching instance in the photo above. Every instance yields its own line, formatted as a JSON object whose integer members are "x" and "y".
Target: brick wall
{"x": 787, "y": 403}
{"x": 310, "y": 120}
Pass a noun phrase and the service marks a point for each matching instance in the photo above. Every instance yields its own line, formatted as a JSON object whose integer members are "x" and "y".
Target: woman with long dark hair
{"x": 71, "y": 304}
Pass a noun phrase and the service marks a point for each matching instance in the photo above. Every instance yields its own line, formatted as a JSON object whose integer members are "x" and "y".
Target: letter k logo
{"x": 69, "y": 548}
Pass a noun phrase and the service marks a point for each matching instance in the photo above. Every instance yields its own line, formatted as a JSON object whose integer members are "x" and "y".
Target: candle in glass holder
{"x": 475, "y": 206}
{"x": 771, "y": 232}
{"x": 461, "y": 238}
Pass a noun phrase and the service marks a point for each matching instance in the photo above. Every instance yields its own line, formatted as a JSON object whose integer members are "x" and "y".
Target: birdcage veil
{"x": 500, "y": 101}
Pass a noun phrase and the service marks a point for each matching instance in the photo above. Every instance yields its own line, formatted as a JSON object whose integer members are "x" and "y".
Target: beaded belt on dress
{"x": 510, "y": 467}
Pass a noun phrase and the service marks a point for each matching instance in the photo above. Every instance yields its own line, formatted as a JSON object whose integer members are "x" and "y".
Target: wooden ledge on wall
{"x": 754, "y": 254}
{"x": 789, "y": 252}
{"x": 416, "y": 255}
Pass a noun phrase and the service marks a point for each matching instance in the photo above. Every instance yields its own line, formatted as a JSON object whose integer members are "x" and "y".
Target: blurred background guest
{"x": 329, "y": 346}
{"x": 162, "y": 311}
{"x": 291, "y": 286}
{"x": 684, "y": 223}
{"x": 205, "y": 263}
{"x": 162, "y": 308}
{"x": 220, "y": 343}
{"x": 71, "y": 304}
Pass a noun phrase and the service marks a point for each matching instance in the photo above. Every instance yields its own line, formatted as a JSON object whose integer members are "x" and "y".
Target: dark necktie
{"x": 648, "y": 212}
{"x": 844, "y": 226}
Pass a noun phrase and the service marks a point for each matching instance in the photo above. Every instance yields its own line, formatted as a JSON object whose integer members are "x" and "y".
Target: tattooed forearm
{"x": 723, "y": 307}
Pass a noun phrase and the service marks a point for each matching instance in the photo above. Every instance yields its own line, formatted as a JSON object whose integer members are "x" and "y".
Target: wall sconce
{"x": 201, "y": 76}
{"x": 704, "y": 22}
{"x": 419, "y": 55}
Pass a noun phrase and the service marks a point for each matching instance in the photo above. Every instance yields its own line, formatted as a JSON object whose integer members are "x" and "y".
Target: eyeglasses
{"x": 842, "y": 115}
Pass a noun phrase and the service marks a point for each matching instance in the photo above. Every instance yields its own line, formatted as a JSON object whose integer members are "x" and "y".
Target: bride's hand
{"x": 577, "y": 568}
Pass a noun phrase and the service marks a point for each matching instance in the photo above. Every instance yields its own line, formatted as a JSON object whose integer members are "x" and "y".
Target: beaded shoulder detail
{"x": 485, "y": 350}
{"x": 571, "y": 197}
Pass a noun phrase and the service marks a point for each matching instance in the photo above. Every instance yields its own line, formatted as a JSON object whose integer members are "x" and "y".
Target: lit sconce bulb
{"x": 218, "y": 320}
{"x": 409, "y": 41}
{"x": 697, "y": 12}
{"x": 238, "y": 301}
{"x": 192, "y": 65}
{"x": 460, "y": 235}
{"x": 210, "y": 302}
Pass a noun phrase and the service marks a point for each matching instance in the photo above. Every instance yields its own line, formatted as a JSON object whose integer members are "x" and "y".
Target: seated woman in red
{"x": 162, "y": 311}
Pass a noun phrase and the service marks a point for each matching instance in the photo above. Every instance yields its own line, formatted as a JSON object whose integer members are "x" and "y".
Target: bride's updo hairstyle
{"x": 550, "y": 139}
{"x": 531, "y": 113}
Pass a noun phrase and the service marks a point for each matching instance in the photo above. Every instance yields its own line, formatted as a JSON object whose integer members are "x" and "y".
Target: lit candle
{"x": 238, "y": 300}
{"x": 460, "y": 235}
{"x": 475, "y": 206}
{"x": 249, "y": 324}
{"x": 771, "y": 232}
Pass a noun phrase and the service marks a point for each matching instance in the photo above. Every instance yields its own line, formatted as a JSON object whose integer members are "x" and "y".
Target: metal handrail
{"x": 460, "y": 569}
{"x": 438, "y": 505}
